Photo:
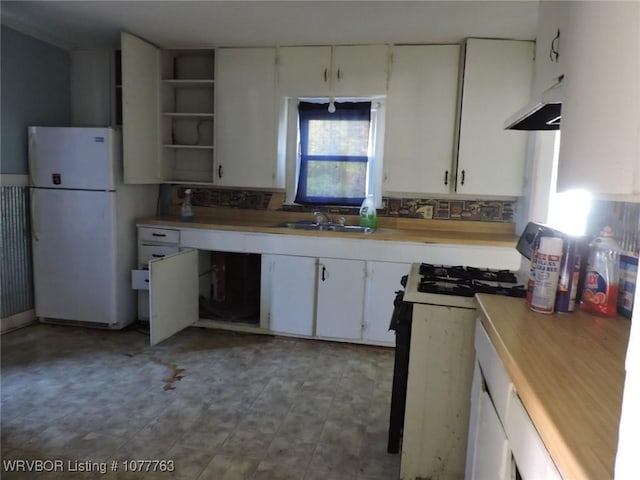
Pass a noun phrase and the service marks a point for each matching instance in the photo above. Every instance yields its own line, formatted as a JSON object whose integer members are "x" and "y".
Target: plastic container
{"x": 368, "y": 214}
{"x": 602, "y": 276}
{"x": 546, "y": 271}
{"x": 186, "y": 211}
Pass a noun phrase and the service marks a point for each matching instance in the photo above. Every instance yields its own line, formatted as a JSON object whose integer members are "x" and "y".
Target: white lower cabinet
{"x": 169, "y": 292}
{"x": 153, "y": 243}
{"x": 488, "y": 455}
{"x": 288, "y": 294}
{"x": 340, "y": 303}
{"x": 503, "y": 443}
{"x": 167, "y": 281}
{"x": 329, "y": 298}
{"x": 173, "y": 294}
{"x": 383, "y": 280}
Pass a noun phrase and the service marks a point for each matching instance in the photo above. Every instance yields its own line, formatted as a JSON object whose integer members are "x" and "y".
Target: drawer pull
{"x": 157, "y": 255}
{"x": 159, "y": 234}
{"x": 146, "y": 280}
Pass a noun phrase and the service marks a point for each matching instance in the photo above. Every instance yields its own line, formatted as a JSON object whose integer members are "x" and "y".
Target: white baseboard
{"x": 16, "y": 321}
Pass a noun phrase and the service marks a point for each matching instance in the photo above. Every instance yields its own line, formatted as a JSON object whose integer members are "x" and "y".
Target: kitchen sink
{"x": 326, "y": 227}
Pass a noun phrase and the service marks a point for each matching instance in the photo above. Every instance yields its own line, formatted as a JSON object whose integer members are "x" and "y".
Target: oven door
{"x": 401, "y": 324}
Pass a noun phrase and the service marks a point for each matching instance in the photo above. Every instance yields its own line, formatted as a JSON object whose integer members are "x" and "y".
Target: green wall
{"x": 35, "y": 90}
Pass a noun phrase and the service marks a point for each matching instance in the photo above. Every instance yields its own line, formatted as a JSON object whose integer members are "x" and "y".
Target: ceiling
{"x": 193, "y": 24}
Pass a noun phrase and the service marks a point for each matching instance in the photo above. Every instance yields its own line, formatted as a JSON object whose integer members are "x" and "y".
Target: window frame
{"x": 289, "y": 144}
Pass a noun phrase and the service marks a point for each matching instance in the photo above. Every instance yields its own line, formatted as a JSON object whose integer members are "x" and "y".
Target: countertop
{"x": 389, "y": 229}
{"x": 568, "y": 370}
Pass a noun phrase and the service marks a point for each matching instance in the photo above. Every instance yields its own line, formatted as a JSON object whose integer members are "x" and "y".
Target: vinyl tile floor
{"x": 205, "y": 404}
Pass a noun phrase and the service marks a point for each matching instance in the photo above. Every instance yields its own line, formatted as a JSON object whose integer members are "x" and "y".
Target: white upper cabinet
{"x": 140, "y": 110}
{"x": 497, "y": 81}
{"x": 246, "y": 118}
{"x": 304, "y": 71}
{"x": 167, "y": 113}
{"x": 421, "y": 119}
{"x": 600, "y": 145}
{"x": 360, "y": 70}
{"x": 357, "y": 70}
{"x": 550, "y": 45}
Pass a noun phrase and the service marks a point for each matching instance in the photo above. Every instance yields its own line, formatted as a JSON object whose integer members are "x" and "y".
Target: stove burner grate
{"x": 467, "y": 281}
{"x": 472, "y": 273}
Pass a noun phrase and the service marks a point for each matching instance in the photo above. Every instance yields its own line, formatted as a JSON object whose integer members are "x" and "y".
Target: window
{"x": 333, "y": 155}
{"x": 334, "y": 152}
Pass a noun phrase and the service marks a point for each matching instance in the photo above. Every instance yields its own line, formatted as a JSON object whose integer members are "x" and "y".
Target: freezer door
{"x": 72, "y": 157}
{"x": 173, "y": 294}
{"x": 74, "y": 255}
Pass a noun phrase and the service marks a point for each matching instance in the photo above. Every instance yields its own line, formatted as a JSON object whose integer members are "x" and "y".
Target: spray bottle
{"x": 186, "y": 211}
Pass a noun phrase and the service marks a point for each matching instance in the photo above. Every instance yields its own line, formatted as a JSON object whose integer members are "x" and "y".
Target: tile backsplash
{"x": 442, "y": 209}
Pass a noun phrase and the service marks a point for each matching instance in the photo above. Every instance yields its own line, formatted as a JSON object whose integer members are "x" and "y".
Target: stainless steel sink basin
{"x": 326, "y": 227}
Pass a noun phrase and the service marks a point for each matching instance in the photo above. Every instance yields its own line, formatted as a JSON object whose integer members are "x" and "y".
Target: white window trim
{"x": 289, "y": 146}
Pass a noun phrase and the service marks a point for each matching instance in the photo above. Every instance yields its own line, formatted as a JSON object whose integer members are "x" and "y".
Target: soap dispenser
{"x": 368, "y": 214}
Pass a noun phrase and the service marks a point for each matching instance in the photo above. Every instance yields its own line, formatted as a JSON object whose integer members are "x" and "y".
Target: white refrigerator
{"x": 83, "y": 226}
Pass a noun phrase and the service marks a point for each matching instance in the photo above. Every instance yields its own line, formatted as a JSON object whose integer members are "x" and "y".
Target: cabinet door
{"x": 288, "y": 293}
{"x": 360, "y": 70}
{"x": 383, "y": 280}
{"x": 550, "y": 45}
{"x": 304, "y": 71}
{"x": 488, "y": 453}
{"x": 600, "y": 146}
{"x": 340, "y": 298}
{"x": 421, "y": 119}
{"x": 140, "y": 110}
{"x": 497, "y": 82}
{"x": 246, "y": 114}
{"x": 173, "y": 294}
{"x": 492, "y": 457}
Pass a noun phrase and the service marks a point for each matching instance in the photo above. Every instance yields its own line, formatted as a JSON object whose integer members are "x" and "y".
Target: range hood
{"x": 541, "y": 115}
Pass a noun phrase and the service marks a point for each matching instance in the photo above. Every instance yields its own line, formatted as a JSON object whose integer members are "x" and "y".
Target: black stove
{"x": 467, "y": 281}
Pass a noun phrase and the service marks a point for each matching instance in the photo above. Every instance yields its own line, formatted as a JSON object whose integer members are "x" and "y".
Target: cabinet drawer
{"x": 158, "y": 235}
{"x": 530, "y": 454}
{"x": 140, "y": 279}
{"x": 151, "y": 252}
{"x": 496, "y": 377}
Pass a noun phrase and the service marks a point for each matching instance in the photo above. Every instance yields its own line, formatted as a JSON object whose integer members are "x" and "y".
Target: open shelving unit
{"x": 187, "y": 115}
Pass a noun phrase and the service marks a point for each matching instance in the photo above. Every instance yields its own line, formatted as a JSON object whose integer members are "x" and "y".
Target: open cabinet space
{"x": 168, "y": 113}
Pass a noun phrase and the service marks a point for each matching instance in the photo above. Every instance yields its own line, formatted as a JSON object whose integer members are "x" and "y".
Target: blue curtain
{"x": 360, "y": 111}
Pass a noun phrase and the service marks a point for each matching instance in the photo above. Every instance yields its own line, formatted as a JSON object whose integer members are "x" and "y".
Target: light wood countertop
{"x": 389, "y": 229}
{"x": 568, "y": 370}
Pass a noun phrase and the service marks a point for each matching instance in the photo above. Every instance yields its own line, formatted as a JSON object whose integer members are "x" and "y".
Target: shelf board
{"x": 189, "y": 83}
{"x": 200, "y": 147}
{"x": 188, "y": 115}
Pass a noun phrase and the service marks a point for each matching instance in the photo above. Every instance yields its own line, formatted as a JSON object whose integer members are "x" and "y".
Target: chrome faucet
{"x": 322, "y": 218}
